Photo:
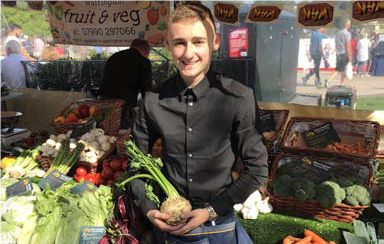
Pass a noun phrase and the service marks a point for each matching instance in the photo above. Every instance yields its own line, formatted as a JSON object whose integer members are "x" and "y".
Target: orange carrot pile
{"x": 309, "y": 238}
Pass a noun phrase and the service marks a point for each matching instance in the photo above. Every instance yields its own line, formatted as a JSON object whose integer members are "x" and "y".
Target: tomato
{"x": 115, "y": 165}
{"x": 81, "y": 178}
{"x": 106, "y": 163}
{"x": 81, "y": 171}
{"x": 90, "y": 177}
{"x": 107, "y": 173}
{"x": 116, "y": 175}
{"x": 124, "y": 165}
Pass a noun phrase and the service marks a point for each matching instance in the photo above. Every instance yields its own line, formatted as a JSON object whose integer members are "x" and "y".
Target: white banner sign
{"x": 108, "y": 23}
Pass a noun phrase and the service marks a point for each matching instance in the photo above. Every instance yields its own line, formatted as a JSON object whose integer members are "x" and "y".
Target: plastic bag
{"x": 349, "y": 71}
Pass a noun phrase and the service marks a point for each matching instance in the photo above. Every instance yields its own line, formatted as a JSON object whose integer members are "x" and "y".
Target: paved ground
{"x": 365, "y": 85}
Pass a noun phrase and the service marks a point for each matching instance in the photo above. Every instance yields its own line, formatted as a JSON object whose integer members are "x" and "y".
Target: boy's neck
{"x": 191, "y": 83}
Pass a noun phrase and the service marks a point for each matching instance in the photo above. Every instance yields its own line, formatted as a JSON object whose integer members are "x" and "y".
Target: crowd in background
{"x": 367, "y": 53}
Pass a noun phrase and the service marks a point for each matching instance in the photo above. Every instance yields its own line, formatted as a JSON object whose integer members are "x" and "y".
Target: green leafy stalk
{"x": 152, "y": 166}
{"x": 65, "y": 158}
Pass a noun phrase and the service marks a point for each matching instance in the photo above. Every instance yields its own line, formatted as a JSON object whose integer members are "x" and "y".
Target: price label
{"x": 91, "y": 234}
{"x": 81, "y": 188}
{"x": 19, "y": 188}
{"x": 267, "y": 122}
{"x": 55, "y": 179}
{"x": 312, "y": 169}
{"x": 321, "y": 136}
{"x": 379, "y": 207}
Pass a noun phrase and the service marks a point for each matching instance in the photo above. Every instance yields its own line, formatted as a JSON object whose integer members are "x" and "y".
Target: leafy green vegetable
{"x": 92, "y": 209}
{"x": 17, "y": 209}
{"x": 9, "y": 232}
{"x": 27, "y": 231}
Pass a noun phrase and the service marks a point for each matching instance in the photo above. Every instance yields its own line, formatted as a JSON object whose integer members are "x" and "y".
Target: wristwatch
{"x": 212, "y": 214}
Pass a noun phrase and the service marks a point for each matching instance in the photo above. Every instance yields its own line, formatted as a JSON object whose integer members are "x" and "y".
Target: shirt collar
{"x": 198, "y": 91}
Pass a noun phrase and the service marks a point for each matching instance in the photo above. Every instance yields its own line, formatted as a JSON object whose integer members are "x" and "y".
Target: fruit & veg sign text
{"x": 108, "y": 23}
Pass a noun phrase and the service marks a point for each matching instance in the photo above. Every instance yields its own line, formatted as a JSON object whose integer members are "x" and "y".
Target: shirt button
{"x": 189, "y": 129}
{"x": 190, "y": 155}
{"x": 190, "y": 104}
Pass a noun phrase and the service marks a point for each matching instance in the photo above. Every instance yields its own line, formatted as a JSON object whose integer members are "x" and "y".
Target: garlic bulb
{"x": 264, "y": 206}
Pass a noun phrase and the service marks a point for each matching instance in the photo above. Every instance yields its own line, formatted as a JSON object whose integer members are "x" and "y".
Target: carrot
{"x": 315, "y": 238}
{"x": 332, "y": 242}
{"x": 305, "y": 240}
{"x": 290, "y": 240}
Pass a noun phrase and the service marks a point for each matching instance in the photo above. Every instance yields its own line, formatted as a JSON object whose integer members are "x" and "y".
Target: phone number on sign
{"x": 113, "y": 31}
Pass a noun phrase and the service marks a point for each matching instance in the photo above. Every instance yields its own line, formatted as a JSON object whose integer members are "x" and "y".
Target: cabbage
{"x": 17, "y": 209}
{"x": 9, "y": 232}
{"x": 5, "y": 182}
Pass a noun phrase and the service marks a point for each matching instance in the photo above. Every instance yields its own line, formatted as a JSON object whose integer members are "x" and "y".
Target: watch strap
{"x": 212, "y": 214}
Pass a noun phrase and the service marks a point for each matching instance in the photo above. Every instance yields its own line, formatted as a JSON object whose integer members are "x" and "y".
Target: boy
{"x": 204, "y": 121}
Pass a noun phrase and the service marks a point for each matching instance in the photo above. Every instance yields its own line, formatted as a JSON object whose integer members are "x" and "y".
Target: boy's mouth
{"x": 189, "y": 63}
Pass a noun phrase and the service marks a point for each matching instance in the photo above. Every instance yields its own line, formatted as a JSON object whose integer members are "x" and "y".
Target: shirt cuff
{"x": 223, "y": 205}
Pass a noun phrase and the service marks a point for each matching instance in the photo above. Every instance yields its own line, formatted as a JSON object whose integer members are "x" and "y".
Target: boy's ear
{"x": 216, "y": 41}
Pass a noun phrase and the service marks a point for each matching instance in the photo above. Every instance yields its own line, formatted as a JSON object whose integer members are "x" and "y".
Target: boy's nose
{"x": 188, "y": 53}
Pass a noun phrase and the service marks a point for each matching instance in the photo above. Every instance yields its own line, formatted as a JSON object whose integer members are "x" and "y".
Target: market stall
{"x": 103, "y": 166}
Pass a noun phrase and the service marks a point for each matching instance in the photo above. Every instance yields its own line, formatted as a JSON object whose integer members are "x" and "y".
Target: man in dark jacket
{"x": 127, "y": 73}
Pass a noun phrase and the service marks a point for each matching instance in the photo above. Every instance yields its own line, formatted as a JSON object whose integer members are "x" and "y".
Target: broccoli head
{"x": 303, "y": 189}
{"x": 282, "y": 186}
{"x": 357, "y": 195}
{"x": 329, "y": 193}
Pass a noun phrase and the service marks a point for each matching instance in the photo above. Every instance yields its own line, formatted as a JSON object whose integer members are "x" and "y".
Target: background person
{"x": 195, "y": 106}
{"x": 343, "y": 52}
{"x": 316, "y": 51}
{"x": 127, "y": 73}
{"x": 377, "y": 67}
{"x": 362, "y": 56}
{"x": 12, "y": 70}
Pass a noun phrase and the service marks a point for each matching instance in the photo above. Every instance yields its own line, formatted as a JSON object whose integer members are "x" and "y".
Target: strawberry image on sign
{"x": 153, "y": 15}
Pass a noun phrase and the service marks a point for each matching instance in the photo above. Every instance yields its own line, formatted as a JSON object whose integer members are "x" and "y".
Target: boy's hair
{"x": 141, "y": 44}
{"x": 190, "y": 11}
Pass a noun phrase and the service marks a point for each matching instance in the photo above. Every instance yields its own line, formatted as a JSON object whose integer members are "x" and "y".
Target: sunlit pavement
{"x": 365, "y": 85}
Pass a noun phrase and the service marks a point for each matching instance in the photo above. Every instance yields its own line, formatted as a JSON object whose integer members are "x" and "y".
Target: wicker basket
{"x": 121, "y": 138}
{"x": 280, "y": 118}
{"x": 110, "y": 124}
{"x": 311, "y": 208}
{"x": 363, "y": 134}
{"x": 46, "y": 162}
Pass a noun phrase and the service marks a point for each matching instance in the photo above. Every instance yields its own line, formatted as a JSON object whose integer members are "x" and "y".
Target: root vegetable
{"x": 305, "y": 240}
{"x": 315, "y": 238}
{"x": 175, "y": 204}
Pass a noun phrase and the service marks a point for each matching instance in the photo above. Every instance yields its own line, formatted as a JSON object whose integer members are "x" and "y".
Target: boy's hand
{"x": 158, "y": 218}
{"x": 194, "y": 219}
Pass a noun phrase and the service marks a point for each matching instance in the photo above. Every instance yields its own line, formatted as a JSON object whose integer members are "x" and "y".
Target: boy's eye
{"x": 178, "y": 43}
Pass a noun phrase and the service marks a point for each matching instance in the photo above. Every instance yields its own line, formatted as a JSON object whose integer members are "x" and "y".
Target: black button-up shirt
{"x": 203, "y": 129}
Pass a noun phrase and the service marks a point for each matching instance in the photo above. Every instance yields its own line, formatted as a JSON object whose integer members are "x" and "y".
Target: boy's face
{"x": 191, "y": 43}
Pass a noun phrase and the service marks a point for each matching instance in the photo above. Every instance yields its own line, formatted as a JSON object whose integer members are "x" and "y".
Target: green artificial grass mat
{"x": 272, "y": 228}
